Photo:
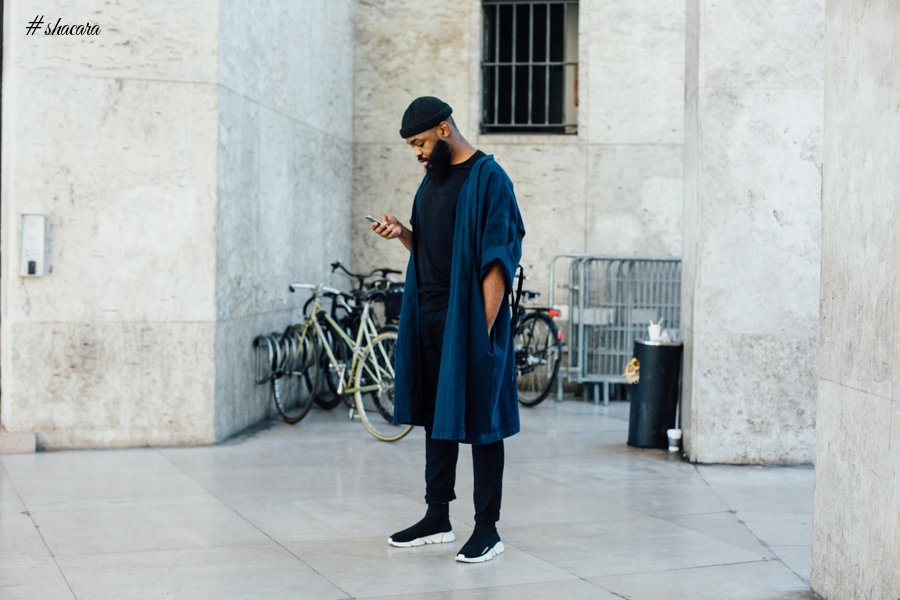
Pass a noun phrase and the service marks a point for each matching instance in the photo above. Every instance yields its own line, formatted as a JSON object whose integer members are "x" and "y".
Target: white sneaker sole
{"x": 435, "y": 538}
{"x": 496, "y": 550}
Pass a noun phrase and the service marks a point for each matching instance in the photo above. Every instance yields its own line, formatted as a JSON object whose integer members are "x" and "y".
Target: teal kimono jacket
{"x": 477, "y": 397}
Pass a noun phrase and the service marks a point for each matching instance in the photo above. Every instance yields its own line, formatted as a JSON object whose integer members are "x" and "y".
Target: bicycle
{"x": 393, "y": 289}
{"x": 283, "y": 359}
{"x": 367, "y": 373}
{"x": 346, "y": 309}
{"x": 538, "y": 347}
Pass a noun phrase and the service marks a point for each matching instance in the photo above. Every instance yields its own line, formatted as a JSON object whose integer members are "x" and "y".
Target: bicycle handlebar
{"x": 343, "y": 297}
{"x": 317, "y": 288}
{"x": 361, "y": 278}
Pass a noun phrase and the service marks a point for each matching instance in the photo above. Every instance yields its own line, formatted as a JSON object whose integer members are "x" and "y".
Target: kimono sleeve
{"x": 503, "y": 226}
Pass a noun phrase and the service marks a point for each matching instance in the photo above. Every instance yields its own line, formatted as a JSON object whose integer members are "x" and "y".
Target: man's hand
{"x": 391, "y": 228}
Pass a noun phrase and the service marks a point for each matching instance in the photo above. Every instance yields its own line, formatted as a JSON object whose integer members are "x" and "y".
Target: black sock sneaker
{"x": 435, "y": 528}
{"x": 484, "y": 545}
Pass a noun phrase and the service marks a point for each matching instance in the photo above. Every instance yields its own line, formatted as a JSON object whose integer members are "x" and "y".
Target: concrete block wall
{"x": 753, "y": 139}
{"x": 855, "y": 545}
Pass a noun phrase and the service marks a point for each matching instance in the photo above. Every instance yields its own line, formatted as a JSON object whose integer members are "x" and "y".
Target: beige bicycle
{"x": 361, "y": 367}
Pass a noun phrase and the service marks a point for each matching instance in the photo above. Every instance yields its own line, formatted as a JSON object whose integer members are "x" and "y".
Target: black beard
{"x": 439, "y": 162}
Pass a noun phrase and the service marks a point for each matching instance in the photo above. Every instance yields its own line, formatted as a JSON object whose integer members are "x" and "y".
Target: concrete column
{"x": 112, "y": 138}
{"x": 283, "y": 178}
{"x": 751, "y": 240}
{"x": 855, "y": 546}
{"x": 191, "y": 160}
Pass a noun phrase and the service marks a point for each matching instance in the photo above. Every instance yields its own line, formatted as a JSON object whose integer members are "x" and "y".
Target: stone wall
{"x": 109, "y": 137}
{"x": 183, "y": 161}
{"x": 283, "y": 179}
{"x": 753, "y": 131}
{"x": 855, "y": 544}
{"x": 731, "y": 180}
{"x": 614, "y": 187}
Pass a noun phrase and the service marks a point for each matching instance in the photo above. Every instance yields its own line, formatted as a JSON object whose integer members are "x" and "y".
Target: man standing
{"x": 455, "y": 365}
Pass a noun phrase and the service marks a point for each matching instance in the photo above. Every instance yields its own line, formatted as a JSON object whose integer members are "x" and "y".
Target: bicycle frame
{"x": 364, "y": 336}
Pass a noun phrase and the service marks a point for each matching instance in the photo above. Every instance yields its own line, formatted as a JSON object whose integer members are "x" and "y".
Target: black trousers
{"x": 441, "y": 455}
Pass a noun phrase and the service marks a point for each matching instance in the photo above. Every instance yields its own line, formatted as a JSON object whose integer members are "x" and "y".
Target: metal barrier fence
{"x": 611, "y": 301}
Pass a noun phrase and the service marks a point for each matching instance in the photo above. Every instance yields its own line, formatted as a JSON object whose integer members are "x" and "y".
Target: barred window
{"x": 530, "y": 66}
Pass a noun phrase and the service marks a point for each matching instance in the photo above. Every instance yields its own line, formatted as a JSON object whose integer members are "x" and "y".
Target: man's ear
{"x": 444, "y": 130}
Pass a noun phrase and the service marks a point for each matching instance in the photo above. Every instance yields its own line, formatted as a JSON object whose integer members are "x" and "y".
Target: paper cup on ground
{"x": 674, "y": 439}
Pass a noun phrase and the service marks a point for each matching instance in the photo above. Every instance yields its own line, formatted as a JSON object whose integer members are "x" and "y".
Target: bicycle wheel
{"x": 297, "y": 376}
{"x": 537, "y": 357}
{"x": 374, "y": 382}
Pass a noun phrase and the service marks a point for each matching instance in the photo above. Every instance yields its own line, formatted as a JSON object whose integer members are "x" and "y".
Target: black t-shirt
{"x": 433, "y": 231}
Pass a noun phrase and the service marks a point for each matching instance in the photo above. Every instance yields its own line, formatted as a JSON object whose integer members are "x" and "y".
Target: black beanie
{"x": 423, "y": 114}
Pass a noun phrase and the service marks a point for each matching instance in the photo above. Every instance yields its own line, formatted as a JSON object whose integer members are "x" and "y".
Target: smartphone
{"x": 372, "y": 219}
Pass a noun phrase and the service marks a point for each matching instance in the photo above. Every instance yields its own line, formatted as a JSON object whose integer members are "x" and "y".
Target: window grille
{"x": 530, "y": 66}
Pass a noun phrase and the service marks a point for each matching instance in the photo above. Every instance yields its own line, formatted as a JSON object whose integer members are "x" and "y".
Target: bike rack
{"x": 612, "y": 298}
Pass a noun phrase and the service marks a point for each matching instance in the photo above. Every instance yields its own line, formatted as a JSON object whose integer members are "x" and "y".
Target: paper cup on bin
{"x": 654, "y": 331}
{"x": 674, "y": 439}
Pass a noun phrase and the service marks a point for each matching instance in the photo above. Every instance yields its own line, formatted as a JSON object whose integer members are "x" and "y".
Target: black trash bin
{"x": 654, "y": 399}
